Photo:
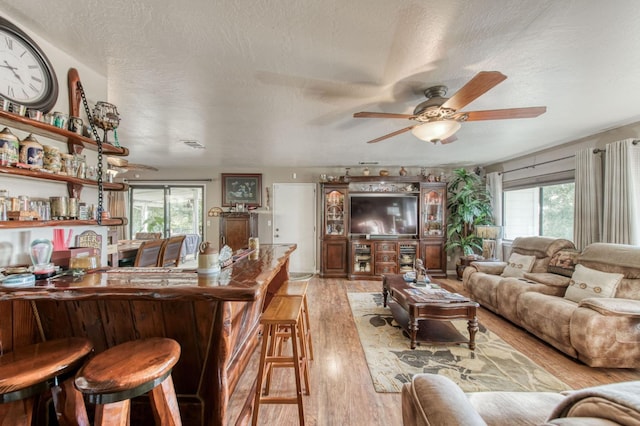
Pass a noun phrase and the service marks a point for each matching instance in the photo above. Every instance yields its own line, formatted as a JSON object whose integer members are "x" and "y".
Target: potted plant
{"x": 469, "y": 205}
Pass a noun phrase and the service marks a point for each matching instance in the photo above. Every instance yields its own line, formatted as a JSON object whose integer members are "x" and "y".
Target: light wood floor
{"x": 341, "y": 389}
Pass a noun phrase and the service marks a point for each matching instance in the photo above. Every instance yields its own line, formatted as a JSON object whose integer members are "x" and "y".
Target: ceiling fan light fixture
{"x": 435, "y": 131}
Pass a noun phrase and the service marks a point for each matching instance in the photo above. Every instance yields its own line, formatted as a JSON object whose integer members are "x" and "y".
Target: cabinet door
{"x": 433, "y": 255}
{"x": 334, "y": 258}
{"x": 235, "y": 232}
{"x": 433, "y": 206}
{"x": 335, "y": 211}
{"x": 362, "y": 258}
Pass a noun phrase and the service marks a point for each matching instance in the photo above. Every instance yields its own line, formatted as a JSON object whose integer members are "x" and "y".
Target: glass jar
{"x": 25, "y": 206}
{"x": 60, "y": 120}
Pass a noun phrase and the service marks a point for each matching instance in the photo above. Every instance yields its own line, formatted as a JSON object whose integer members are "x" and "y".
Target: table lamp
{"x": 489, "y": 235}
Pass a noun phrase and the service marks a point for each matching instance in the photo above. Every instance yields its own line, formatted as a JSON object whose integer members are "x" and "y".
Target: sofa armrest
{"x": 491, "y": 268}
{"x": 611, "y": 306}
{"x": 547, "y": 278}
{"x": 435, "y": 400}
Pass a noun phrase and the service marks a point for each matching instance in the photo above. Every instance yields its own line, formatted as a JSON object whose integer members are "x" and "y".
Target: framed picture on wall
{"x": 241, "y": 189}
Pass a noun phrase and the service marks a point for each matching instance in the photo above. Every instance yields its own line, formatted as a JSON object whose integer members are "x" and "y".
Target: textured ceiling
{"x": 276, "y": 83}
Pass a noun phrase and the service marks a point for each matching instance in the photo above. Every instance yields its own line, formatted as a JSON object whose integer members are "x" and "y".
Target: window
{"x": 170, "y": 210}
{"x": 541, "y": 210}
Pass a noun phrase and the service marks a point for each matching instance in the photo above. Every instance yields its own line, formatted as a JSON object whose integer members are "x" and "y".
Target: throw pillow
{"x": 586, "y": 282}
{"x": 517, "y": 265}
{"x": 563, "y": 262}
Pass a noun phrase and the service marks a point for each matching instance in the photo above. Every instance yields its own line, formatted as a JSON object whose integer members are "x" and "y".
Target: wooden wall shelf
{"x": 37, "y": 174}
{"x": 16, "y": 224}
{"x": 62, "y": 135}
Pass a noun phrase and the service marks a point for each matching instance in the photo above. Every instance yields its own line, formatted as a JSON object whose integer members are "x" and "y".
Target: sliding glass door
{"x": 166, "y": 209}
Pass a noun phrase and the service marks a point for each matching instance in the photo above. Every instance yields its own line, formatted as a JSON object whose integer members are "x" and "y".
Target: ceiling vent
{"x": 193, "y": 144}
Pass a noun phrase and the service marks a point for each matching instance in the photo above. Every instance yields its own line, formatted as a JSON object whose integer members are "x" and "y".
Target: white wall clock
{"x": 26, "y": 75}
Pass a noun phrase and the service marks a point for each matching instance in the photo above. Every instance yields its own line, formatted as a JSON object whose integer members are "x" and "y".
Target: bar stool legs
{"x": 283, "y": 313}
{"x": 113, "y": 377}
{"x": 299, "y": 288}
{"x": 29, "y": 371}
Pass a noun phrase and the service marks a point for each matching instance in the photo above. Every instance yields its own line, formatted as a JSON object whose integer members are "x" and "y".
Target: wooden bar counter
{"x": 215, "y": 320}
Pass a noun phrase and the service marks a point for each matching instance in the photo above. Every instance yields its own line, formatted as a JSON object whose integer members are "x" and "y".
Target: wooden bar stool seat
{"x": 283, "y": 313}
{"x": 113, "y": 377}
{"x": 299, "y": 288}
{"x": 31, "y": 370}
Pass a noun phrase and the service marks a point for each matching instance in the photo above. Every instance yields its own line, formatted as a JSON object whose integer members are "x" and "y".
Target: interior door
{"x": 294, "y": 221}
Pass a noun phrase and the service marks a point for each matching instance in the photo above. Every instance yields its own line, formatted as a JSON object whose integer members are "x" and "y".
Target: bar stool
{"x": 299, "y": 288}
{"x": 283, "y": 313}
{"x": 31, "y": 370}
{"x": 130, "y": 369}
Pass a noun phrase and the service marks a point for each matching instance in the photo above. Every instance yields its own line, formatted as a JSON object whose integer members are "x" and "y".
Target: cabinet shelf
{"x": 15, "y": 224}
{"x": 37, "y": 174}
{"x": 55, "y": 133}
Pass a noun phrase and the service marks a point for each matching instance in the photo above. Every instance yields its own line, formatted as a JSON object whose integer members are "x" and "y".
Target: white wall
{"x": 14, "y": 243}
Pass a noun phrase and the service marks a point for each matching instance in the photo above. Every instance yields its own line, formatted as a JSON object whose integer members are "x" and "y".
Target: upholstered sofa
{"x": 433, "y": 400}
{"x": 591, "y": 313}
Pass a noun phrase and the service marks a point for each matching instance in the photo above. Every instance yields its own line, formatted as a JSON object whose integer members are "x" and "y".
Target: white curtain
{"x": 494, "y": 186}
{"x": 587, "y": 217}
{"x": 118, "y": 208}
{"x": 621, "y": 221}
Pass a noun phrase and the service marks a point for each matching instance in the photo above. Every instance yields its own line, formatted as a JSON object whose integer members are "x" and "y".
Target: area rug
{"x": 493, "y": 366}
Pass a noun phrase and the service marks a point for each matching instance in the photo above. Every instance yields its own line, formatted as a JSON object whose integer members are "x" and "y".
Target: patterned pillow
{"x": 586, "y": 282}
{"x": 563, "y": 262}
{"x": 517, "y": 265}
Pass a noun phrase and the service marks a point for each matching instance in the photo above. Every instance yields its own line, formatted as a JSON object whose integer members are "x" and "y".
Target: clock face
{"x": 26, "y": 76}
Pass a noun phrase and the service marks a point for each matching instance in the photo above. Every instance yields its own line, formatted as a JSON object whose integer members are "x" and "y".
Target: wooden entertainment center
{"x": 347, "y": 254}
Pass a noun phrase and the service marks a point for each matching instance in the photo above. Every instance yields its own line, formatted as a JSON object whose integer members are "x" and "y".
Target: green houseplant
{"x": 469, "y": 205}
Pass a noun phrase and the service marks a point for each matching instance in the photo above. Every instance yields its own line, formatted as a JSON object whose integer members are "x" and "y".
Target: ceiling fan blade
{"x": 501, "y": 114}
{"x": 476, "y": 87}
{"x": 382, "y": 115}
{"x": 450, "y": 139}
{"x": 117, "y": 161}
{"x": 133, "y": 166}
{"x": 397, "y": 132}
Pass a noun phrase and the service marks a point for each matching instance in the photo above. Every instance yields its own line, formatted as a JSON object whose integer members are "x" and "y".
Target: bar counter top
{"x": 244, "y": 280}
{"x": 215, "y": 319}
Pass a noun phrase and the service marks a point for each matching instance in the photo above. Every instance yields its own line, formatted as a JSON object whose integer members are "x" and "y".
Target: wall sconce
{"x": 489, "y": 235}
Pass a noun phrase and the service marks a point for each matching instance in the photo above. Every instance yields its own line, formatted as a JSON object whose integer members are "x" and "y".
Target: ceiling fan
{"x": 119, "y": 164}
{"x": 439, "y": 118}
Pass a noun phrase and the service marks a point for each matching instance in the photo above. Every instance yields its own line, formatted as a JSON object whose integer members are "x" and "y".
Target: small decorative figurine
{"x": 421, "y": 271}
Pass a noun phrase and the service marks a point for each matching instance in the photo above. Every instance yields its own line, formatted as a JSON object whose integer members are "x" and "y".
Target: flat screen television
{"x": 384, "y": 215}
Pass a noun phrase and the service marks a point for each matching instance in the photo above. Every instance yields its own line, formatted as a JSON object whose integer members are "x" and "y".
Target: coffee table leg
{"x": 385, "y": 294}
{"x": 413, "y": 330}
{"x": 472, "y": 326}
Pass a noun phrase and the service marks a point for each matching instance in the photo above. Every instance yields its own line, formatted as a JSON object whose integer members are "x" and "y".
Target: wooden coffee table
{"x": 440, "y": 307}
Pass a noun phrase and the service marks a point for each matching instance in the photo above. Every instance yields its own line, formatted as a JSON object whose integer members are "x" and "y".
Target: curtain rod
{"x": 538, "y": 164}
{"x": 597, "y": 150}
{"x": 168, "y": 180}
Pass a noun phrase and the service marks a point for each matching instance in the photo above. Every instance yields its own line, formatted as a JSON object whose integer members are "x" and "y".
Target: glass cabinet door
{"x": 335, "y": 216}
{"x": 433, "y": 211}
